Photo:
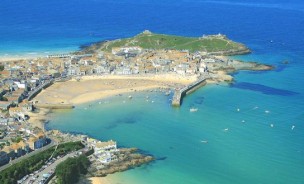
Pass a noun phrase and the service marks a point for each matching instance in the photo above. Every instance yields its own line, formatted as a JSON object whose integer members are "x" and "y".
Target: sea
{"x": 250, "y": 131}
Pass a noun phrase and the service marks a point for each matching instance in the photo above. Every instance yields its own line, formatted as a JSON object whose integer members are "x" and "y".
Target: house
{"x": 20, "y": 85}
{"x": 5, "y": 73}
{"x": 101, "y": 70}
{"x": 126, "y": 51}
{"x": 203, "y": 68}
{"x": 105, "y": 146}
{"x": 24, "y": 146}
{"x": 4, "y": 121}
{"x": 26, "y": 106}
{"x": 4, "y": 105}
{"x": 85, "y": 70}
{"x": 18, "y": 113}
{"x": 4, "y": 158}
{"x": 9, "y": 151}
{"x": 126, "y": 71}
{"x": 103, "y": 151}
{"x": 73, "y": 70}
{"x": 13, "y": 99}
{"x": 17, "y": 149}
{"x": 37, "y": 142}
{"x": 208, "y": 60}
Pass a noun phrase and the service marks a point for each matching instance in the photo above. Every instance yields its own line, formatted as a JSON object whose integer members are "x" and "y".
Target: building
{"x": 18, "y": 113}
{"x": 9, "y": 151}
{"x": 4, "y": 105}
{"x": 17, "y": 149}
{"x": 37, "y": 142}
{"x": 4, "y": 158}
{"x": 103, "y": 151}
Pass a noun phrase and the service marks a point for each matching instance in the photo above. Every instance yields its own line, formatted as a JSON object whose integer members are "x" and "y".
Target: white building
{"x": 103, "y": 151}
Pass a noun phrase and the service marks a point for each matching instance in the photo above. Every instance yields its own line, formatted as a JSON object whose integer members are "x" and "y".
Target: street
{"x": 52, "y": 143}
{"x": 49, "y": 169}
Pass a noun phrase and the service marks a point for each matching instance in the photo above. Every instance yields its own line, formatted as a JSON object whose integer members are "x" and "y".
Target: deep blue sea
{"x": 260, "y": 145}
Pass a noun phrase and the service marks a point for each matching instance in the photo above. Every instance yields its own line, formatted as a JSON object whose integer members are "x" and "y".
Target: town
{"x": 22, "y": 80}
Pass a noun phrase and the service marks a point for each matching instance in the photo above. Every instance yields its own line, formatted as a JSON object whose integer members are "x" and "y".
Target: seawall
{"x": 54, "y": 106}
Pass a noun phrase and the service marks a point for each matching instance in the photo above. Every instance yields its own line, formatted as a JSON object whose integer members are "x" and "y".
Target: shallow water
{"x": 251, "y": 151}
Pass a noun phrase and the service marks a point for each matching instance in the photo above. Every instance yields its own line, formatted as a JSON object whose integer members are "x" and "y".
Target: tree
{"x": 69, "y": 171}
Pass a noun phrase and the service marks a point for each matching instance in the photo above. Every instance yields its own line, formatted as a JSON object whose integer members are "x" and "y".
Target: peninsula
{"x": 148, "y": 61}
{"x": 144, "y": 62}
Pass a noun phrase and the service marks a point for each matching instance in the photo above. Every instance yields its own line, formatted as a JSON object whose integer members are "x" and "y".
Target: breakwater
{"x": 180, "y": 93}
{"x": 54, "y": 106}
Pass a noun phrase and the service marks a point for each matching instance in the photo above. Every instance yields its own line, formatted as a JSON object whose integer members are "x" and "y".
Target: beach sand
{"x": 91, "y": 88}
{"x": 38, "y": 118}
{"x": 99, "y": 180}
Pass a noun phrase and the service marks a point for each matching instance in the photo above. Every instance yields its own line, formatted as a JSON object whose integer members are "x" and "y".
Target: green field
{"x": 214, "y": 43}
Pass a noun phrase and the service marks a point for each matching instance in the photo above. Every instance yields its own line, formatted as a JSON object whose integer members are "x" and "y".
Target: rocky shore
{"x": 127, "y": 158}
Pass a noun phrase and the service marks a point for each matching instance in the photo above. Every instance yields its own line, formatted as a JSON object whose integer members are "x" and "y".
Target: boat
{"x": 130, "y": 97}
{"x": 205, "y": 142}
{"x": 193, "y": 109}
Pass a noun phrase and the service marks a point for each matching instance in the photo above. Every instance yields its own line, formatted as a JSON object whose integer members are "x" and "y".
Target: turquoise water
{"x": 251, "y": 151}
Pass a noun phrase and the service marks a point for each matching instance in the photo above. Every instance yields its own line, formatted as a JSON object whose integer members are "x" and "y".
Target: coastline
{"x": 92, "y": 88}
{"x": 84, "y": 89}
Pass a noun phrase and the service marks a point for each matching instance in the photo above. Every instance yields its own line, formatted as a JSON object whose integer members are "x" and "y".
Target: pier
{"x": 180, "y": 93}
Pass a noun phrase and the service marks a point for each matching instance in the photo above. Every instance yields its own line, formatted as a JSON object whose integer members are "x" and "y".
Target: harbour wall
{"x": 181, "y": 93}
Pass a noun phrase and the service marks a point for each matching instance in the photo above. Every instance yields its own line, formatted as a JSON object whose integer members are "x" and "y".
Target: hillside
{"x": 214, "y": 44}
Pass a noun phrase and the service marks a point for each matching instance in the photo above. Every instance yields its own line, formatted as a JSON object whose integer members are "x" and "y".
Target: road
{"x": 52, "y": 143}
{"x": 48, "y": 169}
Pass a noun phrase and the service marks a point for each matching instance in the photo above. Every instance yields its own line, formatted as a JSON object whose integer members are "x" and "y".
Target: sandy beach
{"x": 91, "y": 88}
{"x": 38, "y": 118}
{"x": 99, "y": 180}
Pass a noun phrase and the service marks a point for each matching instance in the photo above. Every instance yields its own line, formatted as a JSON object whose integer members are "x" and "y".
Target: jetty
{"x": 54, "y": 106}
{"x": 180, "y": 93}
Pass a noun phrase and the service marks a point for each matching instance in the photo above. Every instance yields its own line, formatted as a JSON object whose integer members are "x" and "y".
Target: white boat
{"x": 293, "y": 127}
{"x": 130, "y": 97}
{"x": 193, "y": 109}
{"x": 205, "y": 142}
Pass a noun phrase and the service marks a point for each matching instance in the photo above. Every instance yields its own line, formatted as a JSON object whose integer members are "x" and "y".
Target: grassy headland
{"x": 217, "y": 44}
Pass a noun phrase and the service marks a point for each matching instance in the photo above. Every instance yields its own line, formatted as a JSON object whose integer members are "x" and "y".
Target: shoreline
{"x": 93, "y": 88}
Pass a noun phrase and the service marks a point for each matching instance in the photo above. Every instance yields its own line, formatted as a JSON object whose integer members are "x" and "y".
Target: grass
{"x": 160, "y": 41}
